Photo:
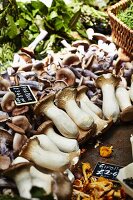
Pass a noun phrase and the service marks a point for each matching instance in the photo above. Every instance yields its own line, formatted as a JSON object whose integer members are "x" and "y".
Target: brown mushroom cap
{"x": 3, "y": 116}
{"x": 20, "y": 110}
{"x": 10, "y": 172}
{"x": 38, "y": 109}
{"x": 15, "y": 128}
{"x": 22, "y": 122}
{"x": 5, "y": 135}
{"x": 4, "y": 162}
{"x": 71, "y": 59}
{"x": 64, "y": 95}
{"x": 25, "y": 57}
{"x": 82, "y": 89}
{"x": 59, "y": 85}
{"x": 28, "y": 51}
{"x": 44, "y": 126}
{"x": 127, "y": 114}
{"x": 67, "y": 75}
{"x": 8, "y": 102}
{"x": 107, "y": 79}
{"x": 84, "y": 43}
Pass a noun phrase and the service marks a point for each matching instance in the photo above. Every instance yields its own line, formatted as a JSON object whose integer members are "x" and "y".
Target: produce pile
{"x": 82, "y": 88}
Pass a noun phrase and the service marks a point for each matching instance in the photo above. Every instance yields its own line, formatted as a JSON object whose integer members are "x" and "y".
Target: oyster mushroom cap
{"x": 20, "y": 110}
{"x": 28, "y": 51}
{"x": 71, "y": 59}
{"x": 107, "y": 79}
{"x": 15, "y": 128}
{"x": 67, "y": 75}
{"x": 4, "y": 135}
{"x": 22, "y": 122}
{"x": 84, "y": 43}
{"x": 8, "y": 102}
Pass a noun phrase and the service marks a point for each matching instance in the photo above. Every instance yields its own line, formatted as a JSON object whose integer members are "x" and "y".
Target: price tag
{"x": 107, "y": 170}
{"x": 24, "y": 95}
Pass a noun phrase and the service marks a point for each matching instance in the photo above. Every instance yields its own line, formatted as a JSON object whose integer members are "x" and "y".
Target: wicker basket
{"x": 121, "y": 34}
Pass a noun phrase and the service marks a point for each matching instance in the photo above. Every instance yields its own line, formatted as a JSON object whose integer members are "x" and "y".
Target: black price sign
{"x": 24, "y": 95}
{"x": 109, "y": 171}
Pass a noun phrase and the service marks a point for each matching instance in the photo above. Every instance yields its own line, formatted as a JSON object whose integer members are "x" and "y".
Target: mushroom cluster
{"x": 81, "y": 91}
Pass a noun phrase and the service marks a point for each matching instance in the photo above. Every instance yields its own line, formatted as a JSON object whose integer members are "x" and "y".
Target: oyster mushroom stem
{"x": 32, "y": 151}
{"x": 62, "y": 121}
{"x": 41, "y": 180}
{"x": 82, "y": 90}
{"x": 123, "y": 98}
{"x": 63, "y": 143}
{"x": 20, "y": 173}
{"x": 65, "y": 99}
{"x": 110, "y": 107}
{"x": 30, "y": 49}
{"x": 8, "y": 102}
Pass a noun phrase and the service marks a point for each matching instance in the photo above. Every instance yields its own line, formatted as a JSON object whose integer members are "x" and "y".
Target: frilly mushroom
{"x": 82, "y": 90}
{"x": 8, "y": 102}
{"x": 32, "y": 151}
{"x": 20, "y": 173}
{"x": 67, "y": 75}
{"x": 61, "y": 120}
{"x": 123, "y": 98}
{"x": 63, "y": 143}
{"x": 107, "y": 83}
{"x": 65, "y": 99}
{"x": 101, "y": 125}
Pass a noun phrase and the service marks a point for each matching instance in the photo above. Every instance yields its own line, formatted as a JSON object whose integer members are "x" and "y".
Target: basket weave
{"x": 121, "y": 34}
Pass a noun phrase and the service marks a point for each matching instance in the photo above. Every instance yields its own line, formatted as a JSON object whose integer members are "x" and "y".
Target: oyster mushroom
{"x": 32, "y": 151}
{"x": 67, "y": 75}
{"x": 101, "y": 125}
{"x": 22, "y": 122}
{"x": 66, "y": 99}
{"x": 123, "y": 98}
{"x": 41, "y": 180}
{"x": 8, "y": 102}
{"x": 20, "y": 174}
{"x": 110, "y": 107}
{"x": 63, "y": 143}
{"x": 20, "y": 110}
{"x": 61, "y": 120}
{"x": 82, "y": 90}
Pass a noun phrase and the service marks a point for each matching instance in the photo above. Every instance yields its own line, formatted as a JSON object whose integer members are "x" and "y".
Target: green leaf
{"x": 37, "y": 192}
{"x": 12, "y": 28}
{"x": 74, "y": 20}
{"x": 59, "y": 24}
{"x": 21, "y": 23}
{"x": 33, "y": 28}
{"x": 53, "y": 14}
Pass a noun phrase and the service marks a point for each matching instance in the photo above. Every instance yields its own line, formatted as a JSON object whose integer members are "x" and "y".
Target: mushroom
{"x": 3, "y": 116}
{"x": 5, "y": 138}
{"x": 85, "y": 135}
{"x": 122, "y": 57}
{"x": 67, "y": 75}
{"x": 63, "y": 143}
{"x": 131, "y": 140}
{"x": 71, "y": 60}
{"x": 32, "y": 151}
{"x": 59, "y": 85}
{"x": 83, "y": 43}
{"x": 19, "y": 172}
{"x": 65, "y": 99}
{"x": 20, "y": 110}
{"x": 101, "y": 125}
{"x": 82, "y": 90}
{"x": 123, "y": 98}
{"x": 61, "y": 120}
{"x": 30, "y": 49}
{"x": 110, "y": 107}
{"x": 41, "y": 180}
{"x": 131, "y": 89}
{"x": 4, "y": 84}
{"x": 22, "y": 122}
{"x": 4, "y": 162}
{"x": 18, "y": 141}
{"x": 8, "y": 102}
{"x": 61, "y": 186}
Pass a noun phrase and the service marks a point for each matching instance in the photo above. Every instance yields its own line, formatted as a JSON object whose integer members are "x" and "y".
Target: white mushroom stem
{"x": 46, "y": 143}
{"x": 131, "y": 89}
{"x": 23, "y": 182}
{"x": 40, "y": 37}
{"x": 64, "y": 144}
{"x": 82, "y": 95}
{"x": 41, "y": 180}
{"x": 131, "y": 140}
{"x": 46, "y": 159}
{"x": 110, "y": 107}
{"x": 123, "y": 98}
{"x": 101, "y": 124}
{"x": 66, "y": 100}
